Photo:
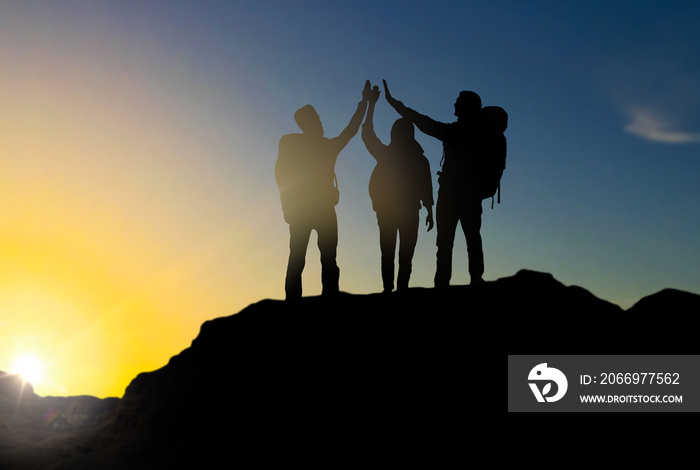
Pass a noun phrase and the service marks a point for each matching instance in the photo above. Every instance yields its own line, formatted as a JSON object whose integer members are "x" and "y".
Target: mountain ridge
{"x": 396, "y": 360}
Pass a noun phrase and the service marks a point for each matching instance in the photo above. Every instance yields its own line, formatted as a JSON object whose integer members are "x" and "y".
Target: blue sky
{"x": 138, "y": 141}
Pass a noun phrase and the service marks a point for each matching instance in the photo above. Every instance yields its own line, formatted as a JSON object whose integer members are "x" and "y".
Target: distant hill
{"x": 338, "y": 375}
{"x": 28, "y": 420}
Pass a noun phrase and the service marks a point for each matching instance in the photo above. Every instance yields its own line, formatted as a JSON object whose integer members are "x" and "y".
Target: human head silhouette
{"x": 308, "y": 121}
{"x": 468, "y": 104}
{"x": 402, "y": 130}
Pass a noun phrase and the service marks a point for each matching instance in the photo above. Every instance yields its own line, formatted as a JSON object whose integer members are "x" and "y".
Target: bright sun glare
{"x": 30, "y": 368}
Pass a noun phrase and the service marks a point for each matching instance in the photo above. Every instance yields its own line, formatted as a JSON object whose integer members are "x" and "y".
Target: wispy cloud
{"x": 650, "y": 124}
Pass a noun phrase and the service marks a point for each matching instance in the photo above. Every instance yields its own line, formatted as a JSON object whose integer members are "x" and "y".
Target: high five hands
{"x": 374, "y": 95}
{"x": 370, "y": 94}
{"x": 390, "y": 99}
{"x": 367, "y": 91}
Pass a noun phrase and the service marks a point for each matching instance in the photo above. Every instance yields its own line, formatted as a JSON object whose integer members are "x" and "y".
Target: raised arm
{"x": 374, "y": 146}
{"x": 372, "y": 99}
{"x": 354, "y": 125}
{"x": 425, "y": 124}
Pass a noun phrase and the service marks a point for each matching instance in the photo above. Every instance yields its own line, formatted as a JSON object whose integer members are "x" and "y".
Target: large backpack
{"x": 305, "y": 182}
{"x": 493, "y": 151}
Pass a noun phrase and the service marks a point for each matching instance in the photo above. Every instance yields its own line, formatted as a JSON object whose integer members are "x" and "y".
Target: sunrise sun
{"x": 30, "y": 367}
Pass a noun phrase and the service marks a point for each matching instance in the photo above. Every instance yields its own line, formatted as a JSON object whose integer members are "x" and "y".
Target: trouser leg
{"x": 299, "y": 234}
{"x": 408, "y": 237}
{"x": 387, "y": 247}
{"x": 471, "y": 224}
{"x": 328, "y": 246}
{"x": 446, "y": 222}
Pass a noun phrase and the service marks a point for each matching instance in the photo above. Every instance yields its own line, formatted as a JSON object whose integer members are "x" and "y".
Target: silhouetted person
{"x": 400, "y": 182}
{"x": 459, "y": 199}
{"x": 305, "y": 174}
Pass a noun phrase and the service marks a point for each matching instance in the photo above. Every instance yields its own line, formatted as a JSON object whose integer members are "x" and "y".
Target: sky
{"x": 138, "y": 142}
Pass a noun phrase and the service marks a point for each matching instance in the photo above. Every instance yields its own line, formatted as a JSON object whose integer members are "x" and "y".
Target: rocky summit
{"x": 335, "y": 376}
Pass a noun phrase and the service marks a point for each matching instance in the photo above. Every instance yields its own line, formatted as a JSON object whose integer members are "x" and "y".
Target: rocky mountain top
{"x": 328, "y": 372}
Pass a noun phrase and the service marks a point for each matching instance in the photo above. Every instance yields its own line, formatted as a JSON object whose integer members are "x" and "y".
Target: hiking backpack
{"x": 304, "y": 182}
{"x": 492, "y": 160}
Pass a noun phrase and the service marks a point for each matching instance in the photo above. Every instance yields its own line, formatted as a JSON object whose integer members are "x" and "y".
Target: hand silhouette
{"x": 366, "y": 93}
{"x": 429, "y": 220}
{"x": 374, "y": 94}
{"x": 389, "y": 98}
